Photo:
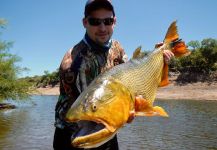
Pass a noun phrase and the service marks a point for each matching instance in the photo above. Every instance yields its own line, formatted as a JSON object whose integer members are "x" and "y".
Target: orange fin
{"x": 180, "y": 49}
{"x": 144, "y": 108}
{"x": 160, "y": 111}
{"x": 138, "y": 53}
{"x": 141, "y": 104}
{"x": 172, "y": 37}
{"x": 165, "y": 79}
{"x": 156, "y": 111}
{"x": 172, "y": 33}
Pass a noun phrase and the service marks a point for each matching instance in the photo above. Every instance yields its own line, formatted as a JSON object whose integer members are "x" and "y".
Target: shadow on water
{"x": 192, "y": 125}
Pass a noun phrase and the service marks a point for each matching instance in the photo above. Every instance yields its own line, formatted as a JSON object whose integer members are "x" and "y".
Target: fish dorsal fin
{"x": 172, "y": 33}
{"x": 138, "y": 53}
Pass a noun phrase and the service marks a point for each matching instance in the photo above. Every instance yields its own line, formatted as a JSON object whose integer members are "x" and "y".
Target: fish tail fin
{"x": 172, "y": 33}
{"x": 144, "y": 108}
{"x": 178, "y": 47}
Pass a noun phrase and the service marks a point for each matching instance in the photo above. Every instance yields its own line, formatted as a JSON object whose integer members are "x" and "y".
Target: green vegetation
{"x": 201, "y": 65}
{"x": 48, "y": 79}
{"x": 10, "y": 86}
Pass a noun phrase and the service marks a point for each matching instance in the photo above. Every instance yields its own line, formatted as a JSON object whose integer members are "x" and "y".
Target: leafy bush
{"x": 10, "y": 86}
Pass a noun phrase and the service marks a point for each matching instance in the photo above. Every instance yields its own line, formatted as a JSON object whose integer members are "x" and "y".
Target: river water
{"x": 192, "y": 125}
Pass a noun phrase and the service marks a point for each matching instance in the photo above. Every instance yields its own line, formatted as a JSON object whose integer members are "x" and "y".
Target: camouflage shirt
{"x": 78, "y": 68}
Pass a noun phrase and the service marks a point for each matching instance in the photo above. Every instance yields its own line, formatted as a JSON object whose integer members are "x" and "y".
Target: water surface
{"x": 192, "y": 125}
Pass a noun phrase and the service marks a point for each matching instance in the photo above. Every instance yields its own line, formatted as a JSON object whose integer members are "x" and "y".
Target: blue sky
{"x": 43, "y": 30}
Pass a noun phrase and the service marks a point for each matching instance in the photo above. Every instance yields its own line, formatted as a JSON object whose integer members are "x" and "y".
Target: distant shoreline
{"x": 195, "y": 91}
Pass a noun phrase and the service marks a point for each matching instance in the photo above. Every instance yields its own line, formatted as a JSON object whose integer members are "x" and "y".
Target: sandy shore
{"x": 47, "y": 91}
{"x": 196, "y": 91}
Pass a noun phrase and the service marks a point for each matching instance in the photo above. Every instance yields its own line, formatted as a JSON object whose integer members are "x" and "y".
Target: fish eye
{"x": 94, "y": 107}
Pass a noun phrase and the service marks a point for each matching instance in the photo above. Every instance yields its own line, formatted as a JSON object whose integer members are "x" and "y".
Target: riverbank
{"x": 194, "y": 91}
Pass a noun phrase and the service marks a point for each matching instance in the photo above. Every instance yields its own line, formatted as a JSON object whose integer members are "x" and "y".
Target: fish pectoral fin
{"x": 160, "y": 111}
{"x": 141, "y": 104}
{"x": 144, "y": 108}
{"x": 155, "y": 111}
{"x": 165, "y": 78}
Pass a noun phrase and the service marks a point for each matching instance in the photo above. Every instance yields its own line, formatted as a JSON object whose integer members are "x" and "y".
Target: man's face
{"x": 99, "y": 25}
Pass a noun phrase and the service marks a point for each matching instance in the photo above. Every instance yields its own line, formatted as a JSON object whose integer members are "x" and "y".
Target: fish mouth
{"x": 88, "y": 127}
{"x": 90, "y": 134}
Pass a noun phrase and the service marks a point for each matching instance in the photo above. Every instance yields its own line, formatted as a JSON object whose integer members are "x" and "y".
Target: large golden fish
{"x": 111, "y": 99}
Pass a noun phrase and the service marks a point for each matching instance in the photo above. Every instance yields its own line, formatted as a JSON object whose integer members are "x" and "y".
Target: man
{"x": 94, "y": 54}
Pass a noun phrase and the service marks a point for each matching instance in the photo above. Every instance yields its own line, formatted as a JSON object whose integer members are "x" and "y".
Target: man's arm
{"x": 68, "y": 89}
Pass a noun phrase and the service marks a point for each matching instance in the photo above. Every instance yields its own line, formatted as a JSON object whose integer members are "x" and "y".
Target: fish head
{"x": 100, "y": 111}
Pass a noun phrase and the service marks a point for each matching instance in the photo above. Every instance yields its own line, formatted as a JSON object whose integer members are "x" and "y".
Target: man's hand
{"x": 167, "y": 53}
{"x": 167, "y": 56}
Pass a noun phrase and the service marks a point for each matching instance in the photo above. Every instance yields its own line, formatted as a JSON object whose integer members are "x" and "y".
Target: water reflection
{"x": 192, "y": 125}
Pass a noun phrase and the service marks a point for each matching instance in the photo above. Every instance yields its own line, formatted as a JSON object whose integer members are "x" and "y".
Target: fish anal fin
{"x": 165, "y": 78}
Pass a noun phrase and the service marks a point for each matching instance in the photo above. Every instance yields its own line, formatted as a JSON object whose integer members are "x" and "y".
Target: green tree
{"x": 203, "y": 58}
{"x": 11, "y": 87}
{"x": 194, "y": 44}
{"x": 48, "y": 79}
{"x": 209, "y": 53}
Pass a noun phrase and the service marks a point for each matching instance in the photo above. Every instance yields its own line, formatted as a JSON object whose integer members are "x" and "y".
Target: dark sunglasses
{"x": 97, "y": 21}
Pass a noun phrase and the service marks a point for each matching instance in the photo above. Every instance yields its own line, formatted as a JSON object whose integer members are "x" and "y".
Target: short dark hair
{"x": 93, "y": 5}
